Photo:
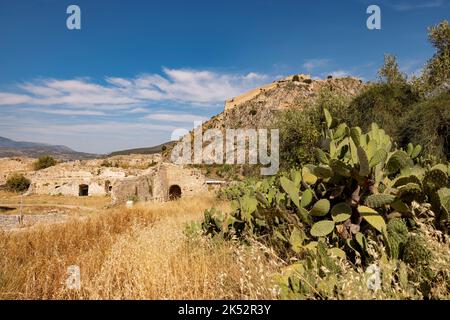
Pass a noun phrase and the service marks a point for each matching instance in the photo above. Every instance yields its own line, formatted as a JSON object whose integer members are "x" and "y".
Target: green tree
{"x": 437, "y": 70}
{"x": 299, "y": 134}
{"x": 390, "y": 72}
{"x": 428, "y": 124}
{"x": 384, "y": 104}
{"x": 44, "y": 162}
{"x": 17, "y": 183}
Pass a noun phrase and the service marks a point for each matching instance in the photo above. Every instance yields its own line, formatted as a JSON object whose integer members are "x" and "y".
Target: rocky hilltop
{"x": 258, "y": 107}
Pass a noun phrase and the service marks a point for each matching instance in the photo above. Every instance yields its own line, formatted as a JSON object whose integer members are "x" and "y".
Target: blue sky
{"x": 137, "y": 70}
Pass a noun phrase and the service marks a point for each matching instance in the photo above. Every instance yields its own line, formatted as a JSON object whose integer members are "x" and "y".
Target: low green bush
{"x": 428, "y": 124}
{"x": 44, "y": 162}
{"x": 383, "y": 104}
{"x": 17, "y": 183}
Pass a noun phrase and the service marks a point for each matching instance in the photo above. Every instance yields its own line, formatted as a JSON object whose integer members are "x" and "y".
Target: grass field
{"x": 132, "y": 253}
{"x": 41, "y": 204}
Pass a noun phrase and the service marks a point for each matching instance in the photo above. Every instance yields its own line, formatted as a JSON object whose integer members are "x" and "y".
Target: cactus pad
{"x": 379, "y": 200}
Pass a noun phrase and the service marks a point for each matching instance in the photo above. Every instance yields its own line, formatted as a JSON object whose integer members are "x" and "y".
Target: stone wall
{"x": 133, "y": 188}
{"x": 155, "y": 184}
{"x": 191, "y": 181}
{"x": 8, "y": 222}
{"x": 60, "y": 181}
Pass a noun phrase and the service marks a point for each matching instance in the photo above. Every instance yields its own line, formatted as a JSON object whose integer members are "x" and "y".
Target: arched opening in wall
{"x": 83, "y": 190}
{"x": 174, "y": 192}
{"x": 108, "y": 187}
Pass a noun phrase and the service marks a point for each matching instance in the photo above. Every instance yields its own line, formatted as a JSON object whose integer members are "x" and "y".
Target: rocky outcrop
{"x": 258, "y": 108}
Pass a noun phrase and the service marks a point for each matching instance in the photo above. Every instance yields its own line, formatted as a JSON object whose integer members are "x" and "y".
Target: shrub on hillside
{"x": 363, "y": 202}
{"x": 335, "y": 102}
{"x": 437, "y": 70}
{"x": 299, "y": 134}
{"x": 390, "y": 71}
{"x": 428, "y": 124}
{"x": 299, "y": 128}
{"x": 383, "y": 103}
{"x": 17, "y": 183}
{"x": 44, "y": 162}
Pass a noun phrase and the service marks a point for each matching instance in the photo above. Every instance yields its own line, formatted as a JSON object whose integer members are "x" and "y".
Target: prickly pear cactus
{"x": 415, "y": 252}
{"x": 435, "y": 179}
{"x": 359, "y": 191}
{"x": 379, "y": 200}
{"x": 397, "y": 237}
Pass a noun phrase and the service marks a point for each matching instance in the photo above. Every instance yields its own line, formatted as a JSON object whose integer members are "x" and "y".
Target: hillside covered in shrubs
{"x": 412, "y": 110}
{"x": 361, "y": 207}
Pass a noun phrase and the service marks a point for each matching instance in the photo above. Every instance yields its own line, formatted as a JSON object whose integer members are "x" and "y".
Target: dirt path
{"x": 66, "y": 206}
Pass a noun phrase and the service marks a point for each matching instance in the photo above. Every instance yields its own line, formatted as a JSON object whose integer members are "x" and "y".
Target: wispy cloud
{"x": 313, "y": 64}
{"x": 137, "y": 110}
{"x": 409, "y": 5}
{"x": 117, "y": 112}
{"x": 412, "y": 67}
{"x": 12, "y": 99}
{"x": 414, "y": 5}
{"x": 176, "y": 117}
{"x": 67, "y": 112}
{"x": 175, "y": 85}
{"x": 339, "y": 73}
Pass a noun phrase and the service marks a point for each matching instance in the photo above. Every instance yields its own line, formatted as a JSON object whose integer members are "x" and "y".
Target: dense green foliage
{"x": 415, "y": 110}
{"x": 300, "y": 128}
{"x": 437, "y": 70}
{"x": 298, "y": 136}
{"x": 44, "y": 162}
{"x": 17, "y": 183}
{"x": 390, "y": 71}
{"x": 359, "y": 196}
{"x": 428, "y": 124}
{"x": 354, "y": 198}
{"x": 382, "y": 103}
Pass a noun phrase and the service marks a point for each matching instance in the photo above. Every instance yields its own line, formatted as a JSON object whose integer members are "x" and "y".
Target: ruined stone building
{"x": 164, "y": 182}
{"x": 59, "y": 180}
{"x": 160, "y": 182}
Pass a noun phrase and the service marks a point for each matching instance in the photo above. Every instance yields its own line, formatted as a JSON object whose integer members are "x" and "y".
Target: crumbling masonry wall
{"x": 155, "y": 185}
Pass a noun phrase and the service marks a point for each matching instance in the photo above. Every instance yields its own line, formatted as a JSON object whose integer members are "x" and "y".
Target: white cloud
{"x": 138, "y": 110}
{"x": 174, "y": 85}
{"x": 412, "y": 67}
{"x": 67, "y": 112}
{"x": 12, "y": 99}
{"x": 409, "y": 5}
{"x": 415, "y": 5}
{"x": 312, "y": 64}
{"x": 339, "y": 73}
{"x": 176, "y": 117}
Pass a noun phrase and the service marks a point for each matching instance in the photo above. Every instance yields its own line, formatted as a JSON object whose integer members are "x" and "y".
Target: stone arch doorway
{"x": 108, "y": 187}
{"x": 83, "y": 190}
{"x": 174, "y": 192}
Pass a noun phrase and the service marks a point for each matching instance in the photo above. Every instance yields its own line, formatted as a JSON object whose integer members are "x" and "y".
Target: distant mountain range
{"x": 11, "y": 148}
{"x": 149, "y": 150}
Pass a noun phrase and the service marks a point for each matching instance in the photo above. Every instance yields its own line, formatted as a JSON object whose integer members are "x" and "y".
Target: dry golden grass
{"x": 37, "y": 199}
{"x": 134, "y": 253}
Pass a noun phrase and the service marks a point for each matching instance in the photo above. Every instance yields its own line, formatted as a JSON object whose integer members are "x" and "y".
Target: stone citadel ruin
{"x": 160, "y": 181}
